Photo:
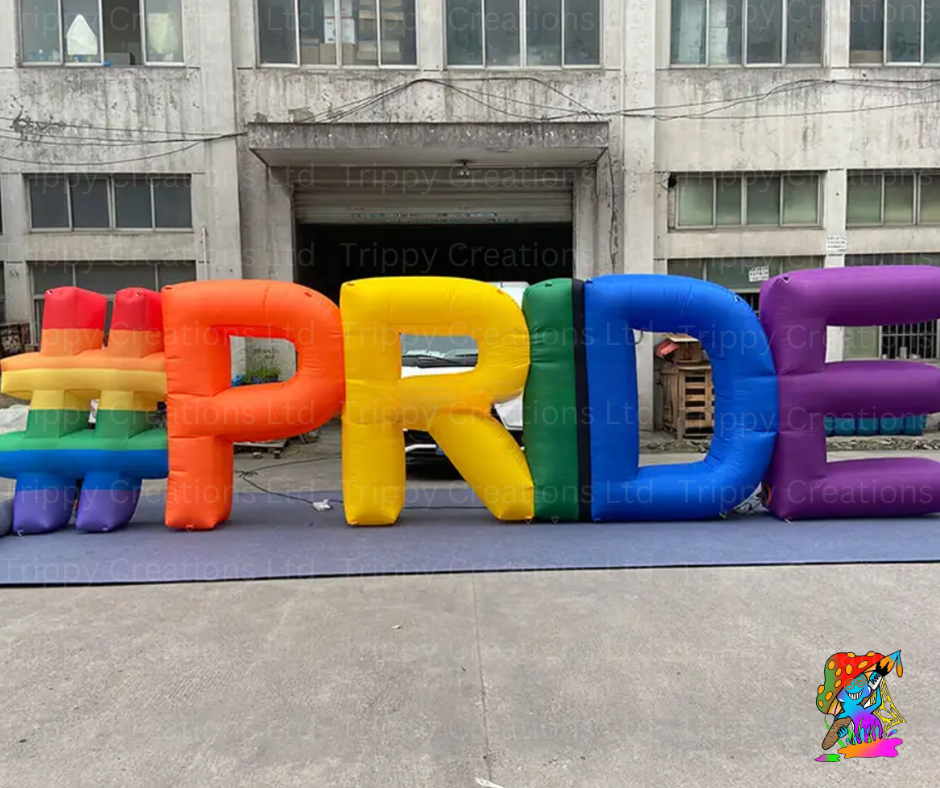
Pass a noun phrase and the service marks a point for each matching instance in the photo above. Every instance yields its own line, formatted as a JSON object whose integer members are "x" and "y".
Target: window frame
{"x": 823, "y": 52}
{"x": 339, "y": 64}
{"x": 917, "y": 175}
{"x": 72, "y": 267}
{"x": 885, "y": 49}
{"x": 744, "y": 178}
{"x": 523, "y": 40}
{"x": 112, "y": 210}
{"x": 62, "y": 61}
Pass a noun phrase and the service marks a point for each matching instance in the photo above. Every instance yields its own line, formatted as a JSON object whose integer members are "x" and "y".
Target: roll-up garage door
{"x": 433, "y": 197}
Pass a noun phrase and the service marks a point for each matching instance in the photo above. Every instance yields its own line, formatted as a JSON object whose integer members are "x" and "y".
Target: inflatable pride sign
{"x": 569, "y": 350}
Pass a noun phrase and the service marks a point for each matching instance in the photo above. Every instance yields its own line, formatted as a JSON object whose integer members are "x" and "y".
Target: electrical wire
{"x": 245, "y": 476}
{"x": 49, "y": 138}
{"x": 711, "y": 109}
{"x": 100, "y": 162}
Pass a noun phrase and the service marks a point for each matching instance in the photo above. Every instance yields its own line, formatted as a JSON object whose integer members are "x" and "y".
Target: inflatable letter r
{"x": 205, "y": 415}
{"x": 455, "y": 408}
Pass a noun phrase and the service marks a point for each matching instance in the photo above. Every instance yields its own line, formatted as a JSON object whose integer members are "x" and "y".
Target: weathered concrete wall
{"x": 662, "y": 120}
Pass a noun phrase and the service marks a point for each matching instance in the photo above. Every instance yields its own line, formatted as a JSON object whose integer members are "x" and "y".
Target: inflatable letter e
{"x": 205, "y": 415}
{"x": 796, "y": 310}
{"x": 454, "y": 408}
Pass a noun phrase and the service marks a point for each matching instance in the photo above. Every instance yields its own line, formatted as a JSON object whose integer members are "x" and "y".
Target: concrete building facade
{"x": 153, "y": 141}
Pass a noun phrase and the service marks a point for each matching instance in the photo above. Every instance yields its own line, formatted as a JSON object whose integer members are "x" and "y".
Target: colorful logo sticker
{"x": 855, "y": 695}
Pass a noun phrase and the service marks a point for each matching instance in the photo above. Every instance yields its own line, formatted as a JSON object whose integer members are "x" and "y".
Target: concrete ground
{"x": 663, "y": 677}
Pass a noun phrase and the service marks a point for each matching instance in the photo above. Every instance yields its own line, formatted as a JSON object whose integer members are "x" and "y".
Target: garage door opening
{"x": 329, "y": 255}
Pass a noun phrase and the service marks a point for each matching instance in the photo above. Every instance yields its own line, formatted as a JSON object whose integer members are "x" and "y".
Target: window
{"x": 98, "y": 202}
{"x": 747, "y": 32}
{"x": 742, "y": 275}
{"x": 734, "y": 200}
{"x": 337, "y": 32}
{"x": 901, "y": 198}
{"x": 108, "y": 32}
{"x": 523, "y": 33}
{"x": 886, "y": 32}
{"x": 105, "y": 278}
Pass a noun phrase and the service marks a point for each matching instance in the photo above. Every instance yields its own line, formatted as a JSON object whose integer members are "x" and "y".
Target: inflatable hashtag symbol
{"x": 57, "y": 450}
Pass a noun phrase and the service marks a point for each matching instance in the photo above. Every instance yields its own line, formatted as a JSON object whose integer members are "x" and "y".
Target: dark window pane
{"x": 932, "y": 31}
{"x": 801, "y": 200}
{"x": 696, "y": 198}
{"x": 465, "y": 32}
{"x": 899, "y": 198}
{"x": 277, "y": 31}
{"x": 108, "y": 278}
{"x": 399, "y": 39}
{"x": 172, "y": 204}
{"x": 82, "y": 31}
{"x": 164, "y": 31}
{"x": 727, "y": 201}
{"x": 689, "y": 29}
{"x": 48, "y": 201}
{"x": 502, "y": 32}
{"x": 543, "y": 32}
{"x": 132, "y": 203}
{"x": 89, "y": 198}
{"x": 930, "y": 198}
{"x": 763, "y": 201}
{"x": 804, "y": 31}
{"x": 764, "y": 31}
{"x": 726, "y": 26}
{"x": 39, "y": 27}
{"x": 692, "y": 268}
{"x": 318, "y": 29}
{"x": 121, "y": 32}
{"x": 863, "y": 199}
{"x": 360, "y": 34}
{"x": 866, "y": 32}
{"x": 46, "y": 276}
{"x": 173, "y": 272}
{"x": 582, "y": 32}
{"x": 903, "y": 31}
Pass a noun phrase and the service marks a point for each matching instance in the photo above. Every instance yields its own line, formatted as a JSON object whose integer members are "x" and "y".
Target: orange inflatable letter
{"x": 205, "y": 415}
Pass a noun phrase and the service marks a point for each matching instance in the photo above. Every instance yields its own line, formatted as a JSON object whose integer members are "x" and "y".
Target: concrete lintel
{"x": 301, "y": 144}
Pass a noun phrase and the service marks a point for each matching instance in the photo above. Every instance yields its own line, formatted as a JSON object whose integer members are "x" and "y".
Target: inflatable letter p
{"x": 205, "y": 415}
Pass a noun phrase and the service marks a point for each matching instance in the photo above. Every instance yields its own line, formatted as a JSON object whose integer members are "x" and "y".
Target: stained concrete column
{"x": 220, "y": 220}
{"x": 638, "y": 141}
{"x": 834, "y": 208}
{"x": 268, "y": 240}
{"x": 17, "y": 289}
{"x": 9, "y": 26}
{"x": 585, "y": 223}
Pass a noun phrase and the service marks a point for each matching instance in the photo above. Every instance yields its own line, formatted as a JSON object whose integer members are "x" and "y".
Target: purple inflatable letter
{"x": 795, "y": 310}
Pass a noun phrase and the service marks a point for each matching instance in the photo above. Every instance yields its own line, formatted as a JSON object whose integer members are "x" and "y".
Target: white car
{"x": 422, "y": 355}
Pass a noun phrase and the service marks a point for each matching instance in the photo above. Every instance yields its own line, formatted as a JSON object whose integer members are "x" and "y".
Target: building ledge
{"x": 428, "y": 144}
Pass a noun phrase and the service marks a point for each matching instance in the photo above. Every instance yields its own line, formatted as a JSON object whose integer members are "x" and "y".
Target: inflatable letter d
{"x": 454, "y": 408}
{"x": 205, "y": 415}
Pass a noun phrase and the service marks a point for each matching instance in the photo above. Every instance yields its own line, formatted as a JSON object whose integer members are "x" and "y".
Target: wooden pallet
{"x": 688, "y": 400}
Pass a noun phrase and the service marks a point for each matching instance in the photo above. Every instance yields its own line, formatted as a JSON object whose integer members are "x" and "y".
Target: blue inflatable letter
{"x": 745, "y": 386}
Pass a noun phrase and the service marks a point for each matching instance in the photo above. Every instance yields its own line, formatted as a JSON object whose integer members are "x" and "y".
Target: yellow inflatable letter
{"x": 454, "y": 408}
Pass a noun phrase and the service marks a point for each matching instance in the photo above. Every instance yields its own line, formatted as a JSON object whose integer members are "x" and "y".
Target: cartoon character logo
{"x": 856, "y": 696}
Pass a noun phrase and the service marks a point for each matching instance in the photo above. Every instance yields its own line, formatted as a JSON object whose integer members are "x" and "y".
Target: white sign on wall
{"x": 835, "y": 244}
{"x": 758, "y": 273}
